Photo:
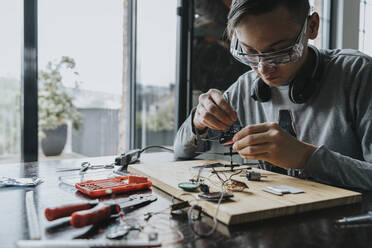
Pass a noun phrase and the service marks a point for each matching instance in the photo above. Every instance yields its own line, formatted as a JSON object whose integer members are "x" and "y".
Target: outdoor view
{"x": 81, "y": 49}
{"x": 80, "y": 76}
{"x": 81, "y": 83}
{"x": 10, "y": 78}
{"x": 156, "y": 72}
{"x": 365, "y": 27}
{"x": 318, "y": 6}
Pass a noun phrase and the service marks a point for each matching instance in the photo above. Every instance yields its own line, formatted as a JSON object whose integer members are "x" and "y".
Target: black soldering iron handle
{"x": 127, "y": 158}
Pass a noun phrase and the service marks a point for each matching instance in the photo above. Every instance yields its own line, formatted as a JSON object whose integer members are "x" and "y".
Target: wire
{"x": 162, "y": 226}
{"x": 161, "y": 147}
{"x": 189, "y": 213}
{"x": 219, "y": 153}
{"x": 227, "y": 179}
{"x": 190, "y": 220}
{"x": 214, "y": 139}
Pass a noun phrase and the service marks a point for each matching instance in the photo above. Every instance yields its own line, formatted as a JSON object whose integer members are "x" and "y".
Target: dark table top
{"x": 312, "y": 229}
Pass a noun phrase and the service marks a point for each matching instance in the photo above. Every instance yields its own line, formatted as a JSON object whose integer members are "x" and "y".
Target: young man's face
{"x": 271, "y": 32}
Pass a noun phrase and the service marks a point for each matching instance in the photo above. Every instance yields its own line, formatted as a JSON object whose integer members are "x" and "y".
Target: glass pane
{"x": 365, "y": 30}
{"x": 80, "y": 76}
{"x": 10, "y": 81}
{"x": 156, "y": 72}
{"x": 212, "y": 64}
{"x": 318, "y": 6}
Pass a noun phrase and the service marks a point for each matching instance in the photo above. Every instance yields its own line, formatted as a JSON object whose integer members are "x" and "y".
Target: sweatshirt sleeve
{"x": 335, "y": 168}
{"x": 187, "y": 145}
{"x": 186, "y": 142}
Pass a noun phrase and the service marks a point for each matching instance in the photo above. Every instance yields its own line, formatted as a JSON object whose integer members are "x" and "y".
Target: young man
{"x": 300, "y": 108}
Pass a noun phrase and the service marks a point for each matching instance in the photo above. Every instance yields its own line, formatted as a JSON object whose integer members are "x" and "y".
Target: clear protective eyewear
{"x": 284, "y": 56}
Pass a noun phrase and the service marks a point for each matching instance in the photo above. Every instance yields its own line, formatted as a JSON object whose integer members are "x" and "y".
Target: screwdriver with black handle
{"x": 85, "y": 214}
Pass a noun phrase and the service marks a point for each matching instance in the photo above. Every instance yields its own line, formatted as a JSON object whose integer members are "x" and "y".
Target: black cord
{"x": 234, "y": 174}
{"x": 224, "y": 181}
{"x": 161, "y": 147}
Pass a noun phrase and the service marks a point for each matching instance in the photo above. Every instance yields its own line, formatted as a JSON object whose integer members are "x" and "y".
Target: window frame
{"x": 132, "y": 69}
{"x": 29, "y": 83}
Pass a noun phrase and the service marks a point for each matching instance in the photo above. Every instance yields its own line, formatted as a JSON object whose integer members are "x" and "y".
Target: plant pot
{"x": 54, "y": 140}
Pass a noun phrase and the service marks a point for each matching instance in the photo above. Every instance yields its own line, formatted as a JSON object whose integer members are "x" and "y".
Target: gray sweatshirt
{"x": 337, "y": 119}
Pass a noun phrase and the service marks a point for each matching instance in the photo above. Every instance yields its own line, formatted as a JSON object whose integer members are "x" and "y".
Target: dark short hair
{"x": 242, "y": 8}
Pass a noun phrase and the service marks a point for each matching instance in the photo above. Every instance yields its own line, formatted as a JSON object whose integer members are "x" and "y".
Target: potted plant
{"x": 56, "y": 107}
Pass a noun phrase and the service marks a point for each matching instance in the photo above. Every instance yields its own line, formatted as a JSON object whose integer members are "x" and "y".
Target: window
{"x": 10, "y": 80}
{"x": 365, "y": 27}
{"x": 323, "y": 9}
{"x": 155, "y": 72}
{"x": 90, "y": 34}
{"x": 212, "y": 64}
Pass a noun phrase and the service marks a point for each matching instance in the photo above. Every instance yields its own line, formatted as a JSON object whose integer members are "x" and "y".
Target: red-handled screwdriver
{"x": 90, "y": 213}
{"x": 97, "y": 214}
{"x": 63, "y": 211}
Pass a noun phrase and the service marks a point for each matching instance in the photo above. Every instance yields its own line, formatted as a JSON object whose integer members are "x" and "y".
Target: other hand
{"x": 214, "y": 112}
{"x": 271, "y": 143}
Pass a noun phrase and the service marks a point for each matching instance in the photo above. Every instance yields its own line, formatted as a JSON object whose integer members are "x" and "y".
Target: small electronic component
{"x": 282, "y": 189}
{"x": 254, "y": 176}
{"x": 204, "y": 188}
{"x": 227, "y": 136}
{"x": 188, "y": 186}
{"x": 236, "y": 186}
{"x": 215, "y": 196}
{"x": 180, "y": 205}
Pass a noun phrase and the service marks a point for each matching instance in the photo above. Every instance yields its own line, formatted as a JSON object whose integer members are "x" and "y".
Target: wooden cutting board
{"x": 253, "y": 204}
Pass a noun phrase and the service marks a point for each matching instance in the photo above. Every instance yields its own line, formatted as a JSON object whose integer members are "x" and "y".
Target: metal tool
{"x": 85, "y": 214}
{"x": 88, "y": 166}
{"x": 119, "y": 232}
{"x": 86, "y": 243}
{"x": 19, "y": 181}
{"x": 32, "y": 218}
{"x": 122, "y": 230}
{"x": 121, "y": 162}
{"x": 129, "y": 157}
{"x": 356, "y": 219}
{"x": 254, "y": 176}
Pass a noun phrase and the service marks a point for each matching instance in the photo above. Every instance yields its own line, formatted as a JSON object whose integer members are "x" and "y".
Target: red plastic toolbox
{"x": 96, "y": 188}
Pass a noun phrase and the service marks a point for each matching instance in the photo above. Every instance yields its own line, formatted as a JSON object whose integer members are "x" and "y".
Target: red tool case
{"x": 96, "y": 188}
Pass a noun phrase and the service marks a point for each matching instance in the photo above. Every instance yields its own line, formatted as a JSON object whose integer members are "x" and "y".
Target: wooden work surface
{"x": 253, "y": 204}
{"x": 315, "y": 229}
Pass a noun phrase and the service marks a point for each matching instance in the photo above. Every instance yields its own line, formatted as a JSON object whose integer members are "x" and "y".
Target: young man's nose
{"x": 265, "y": 68}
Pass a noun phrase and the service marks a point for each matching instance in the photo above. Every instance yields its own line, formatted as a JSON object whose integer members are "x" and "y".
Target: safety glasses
{"x": 284, "y": 56}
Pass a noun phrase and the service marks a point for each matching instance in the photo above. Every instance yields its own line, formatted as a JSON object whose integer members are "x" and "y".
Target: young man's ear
{"x": 313, "y": 26}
